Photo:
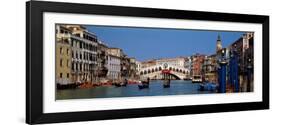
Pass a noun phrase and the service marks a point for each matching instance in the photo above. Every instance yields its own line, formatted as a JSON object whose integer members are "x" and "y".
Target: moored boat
{"x": 143, "y": 86}
{"x": 166, "y": 85}
{"x": 208, "y": 87}
{"x": 197, "y": 79}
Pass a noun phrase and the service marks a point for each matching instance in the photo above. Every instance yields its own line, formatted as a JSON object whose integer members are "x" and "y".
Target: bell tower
{"x": 219, "y": 45}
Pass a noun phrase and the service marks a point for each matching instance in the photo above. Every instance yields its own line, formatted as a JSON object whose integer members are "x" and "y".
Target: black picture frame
{"x": 34, "y": 61}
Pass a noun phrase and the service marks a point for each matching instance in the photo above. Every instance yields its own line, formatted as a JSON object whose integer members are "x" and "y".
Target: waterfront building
{"x": 244, "y": 48}
{"x": 241, "y": 46}
{"x": 138, "y": 69}
{"x": 125, "y": 67}
{"x": 116, "y": 52}
{"x": 188, "y": 65}
{"x": 124, "y": 62}
{"x": 133, "y": 68}
{"x": 197, "y": 63}
{"x": 209, "y": 69}
{"x": 249, "y": 63}
{"x": 84, "y": 55}
{"x": 139, "y": 65}
{"x": 102, "y": 61}
{"x": 63, "y": 55}
{"x": 114, "y": 63}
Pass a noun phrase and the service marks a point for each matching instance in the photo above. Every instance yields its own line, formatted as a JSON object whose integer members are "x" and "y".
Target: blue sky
{"x": 153, "y": 43}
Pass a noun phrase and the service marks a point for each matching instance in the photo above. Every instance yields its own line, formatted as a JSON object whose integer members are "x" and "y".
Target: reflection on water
{"x": 178, "y": 87}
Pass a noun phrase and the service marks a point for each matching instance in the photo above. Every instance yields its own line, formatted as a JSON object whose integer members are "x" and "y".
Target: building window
{"x": 95, "y": 48}
{"x": 61, "y": 62}
{"x": 68, "y": 63}
{"x": 60, "y": 50}
{"x": 80, "y": 46}
{"x": 67, "y": 75}
{"x": 72, "y": 66}
{"x": 61, "y": 31}
{"x": 77, "y": 44}
{"x": 86, "y": 46}
{"x": 67, "y": 51}
{"x": 72, "y": 54}
{"x": 85, "y": 56}
{"x": 60, "y": 75}
{"x": 66, "y": 41}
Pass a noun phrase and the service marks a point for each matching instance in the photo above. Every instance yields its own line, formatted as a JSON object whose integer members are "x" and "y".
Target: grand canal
{"x": 178, "y": 87}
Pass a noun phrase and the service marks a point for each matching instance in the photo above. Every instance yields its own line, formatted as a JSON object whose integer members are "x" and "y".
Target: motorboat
{"x": 197, "y": 79}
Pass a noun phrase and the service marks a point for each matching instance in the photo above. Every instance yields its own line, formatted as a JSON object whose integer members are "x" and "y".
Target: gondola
{"x": 166, "y": 85}
{"x": 123, "y": 85}
{"x": 120, "y": 85}
{"x": 117, "y": 85}
{"x": 143, "y": 86}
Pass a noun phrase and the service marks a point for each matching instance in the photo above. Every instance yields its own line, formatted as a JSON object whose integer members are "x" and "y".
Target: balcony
{"x": 85, "y": 40}
{"x": 63, "y": 35}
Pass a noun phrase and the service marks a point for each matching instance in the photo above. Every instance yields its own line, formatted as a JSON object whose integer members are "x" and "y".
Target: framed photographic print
{"x": 95, "y": 62}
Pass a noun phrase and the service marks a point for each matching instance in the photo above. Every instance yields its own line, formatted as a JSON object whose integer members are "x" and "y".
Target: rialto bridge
{"x": 156, "y": 72}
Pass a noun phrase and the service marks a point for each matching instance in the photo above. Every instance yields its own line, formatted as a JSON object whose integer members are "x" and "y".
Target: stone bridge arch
{"x": 155, "y": 71}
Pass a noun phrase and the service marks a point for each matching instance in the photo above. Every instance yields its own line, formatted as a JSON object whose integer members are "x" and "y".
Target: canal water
{"x": 177, "y": 87}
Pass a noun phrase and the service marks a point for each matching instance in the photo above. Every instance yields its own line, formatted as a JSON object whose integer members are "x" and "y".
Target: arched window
{"x": 145, "y": 72}
{"x": 72, "y": 65}
{"x": 156, "y": 69}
